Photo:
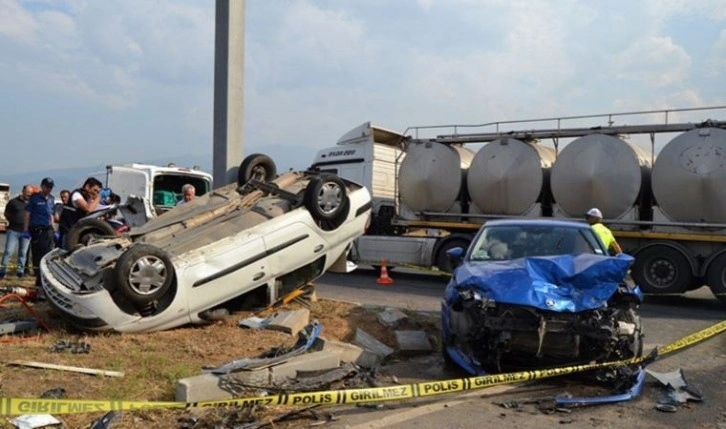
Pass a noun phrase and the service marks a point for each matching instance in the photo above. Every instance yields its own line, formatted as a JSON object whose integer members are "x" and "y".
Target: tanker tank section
{"x": 510, "y": 177}
{"x": 430, "y": 178}
{"x": 689, "y": 177}
{"x": 600, "y": 171}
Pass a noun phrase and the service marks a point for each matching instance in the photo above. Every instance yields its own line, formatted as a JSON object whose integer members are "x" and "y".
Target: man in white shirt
{"x": 188, "y": 194}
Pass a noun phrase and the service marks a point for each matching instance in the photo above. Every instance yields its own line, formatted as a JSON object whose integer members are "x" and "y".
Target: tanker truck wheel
{"x": 716, "y": 277}
{"x": 662, "y": 270}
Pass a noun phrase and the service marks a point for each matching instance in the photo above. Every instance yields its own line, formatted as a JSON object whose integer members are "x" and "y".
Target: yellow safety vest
{"x": 606, "y": 236}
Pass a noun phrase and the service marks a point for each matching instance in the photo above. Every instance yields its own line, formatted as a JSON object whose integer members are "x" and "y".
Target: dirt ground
{"x": 152, "y": 363}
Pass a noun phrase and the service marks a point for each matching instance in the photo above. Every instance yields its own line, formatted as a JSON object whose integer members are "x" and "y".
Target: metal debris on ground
{"x": 57, "y": 393}
{"x": 280, "y": 418}
{"x": 678, "y": 390}
{"x": 301, "y": 295}
{"x": 40, "y": 322}
{"x": 226, "y": 417}
{"x": 32, "y": 421}
{"x": 322, "y": 380}
{"x": 666, "y": 408}
{"x": 16, "y": 326}
{"x": 76, "y": 347}
{"x": 510, "y": 404}
{"x": 347, "y": 376}
{"x": 105, "y": 421}
{"x": 255, "y": 322}
{"x": 276, "y": 355}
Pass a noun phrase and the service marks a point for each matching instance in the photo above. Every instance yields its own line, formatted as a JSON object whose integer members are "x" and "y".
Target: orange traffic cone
{"x": 383, "y": 279}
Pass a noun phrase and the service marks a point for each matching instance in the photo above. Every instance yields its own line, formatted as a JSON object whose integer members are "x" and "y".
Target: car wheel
{"x": 327, "y": 201}
{"x": 85, "y": 230}
{"x": 442, "y": 259}
{"x": 256, "y": 166}
{"x": 635, "y": 347}
{"x": 662, "y": 270}
{"x": 143, "y": 274}
{"x": 448, "y": 361}
{"x": 716, "y": 277}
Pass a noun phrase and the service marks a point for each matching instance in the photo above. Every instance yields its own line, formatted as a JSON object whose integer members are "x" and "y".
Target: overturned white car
{"x": 194, "y": 259}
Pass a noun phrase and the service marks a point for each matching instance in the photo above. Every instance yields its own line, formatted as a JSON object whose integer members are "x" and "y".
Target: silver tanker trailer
{"x": 667, "y": 208}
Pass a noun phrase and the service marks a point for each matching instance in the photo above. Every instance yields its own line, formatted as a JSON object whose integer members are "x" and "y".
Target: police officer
{"x": 594, "y": 218}
{"x": 38, "y": 223}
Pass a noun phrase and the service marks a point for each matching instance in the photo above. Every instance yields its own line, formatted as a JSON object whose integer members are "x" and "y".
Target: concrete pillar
{"x": 229, "y": 43}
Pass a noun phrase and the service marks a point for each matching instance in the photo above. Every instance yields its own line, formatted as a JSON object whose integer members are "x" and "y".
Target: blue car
{"x": 534, "y": 294}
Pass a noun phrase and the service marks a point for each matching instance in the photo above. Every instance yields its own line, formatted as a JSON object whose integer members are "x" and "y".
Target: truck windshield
{"x": 168, "y": 188}
{"x": 517, "y": 241}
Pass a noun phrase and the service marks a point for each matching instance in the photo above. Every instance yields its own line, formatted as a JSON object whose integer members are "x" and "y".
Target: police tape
{"x": 15, "y": 406}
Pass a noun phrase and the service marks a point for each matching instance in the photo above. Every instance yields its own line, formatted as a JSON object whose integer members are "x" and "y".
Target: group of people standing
{"x": 32, "y": 217}
{"x": 38, "y": 223}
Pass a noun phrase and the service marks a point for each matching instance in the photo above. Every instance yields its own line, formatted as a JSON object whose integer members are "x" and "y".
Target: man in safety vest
{"x": 594, "y": 218}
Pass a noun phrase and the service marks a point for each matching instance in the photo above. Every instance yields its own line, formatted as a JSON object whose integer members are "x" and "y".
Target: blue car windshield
{"x": 505, "y": 242}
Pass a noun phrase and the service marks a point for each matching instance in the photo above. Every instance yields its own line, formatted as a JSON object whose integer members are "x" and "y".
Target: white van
{"x": 160, "y": 187}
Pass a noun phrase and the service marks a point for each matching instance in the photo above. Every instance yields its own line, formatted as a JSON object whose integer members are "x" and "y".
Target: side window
{"x": 588, "y": 238}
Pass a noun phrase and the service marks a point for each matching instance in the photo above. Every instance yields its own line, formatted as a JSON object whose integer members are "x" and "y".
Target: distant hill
{"x": 285, "y": 157}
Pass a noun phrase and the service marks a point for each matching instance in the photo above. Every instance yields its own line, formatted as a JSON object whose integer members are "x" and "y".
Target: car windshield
{"x": 504, "y": 242}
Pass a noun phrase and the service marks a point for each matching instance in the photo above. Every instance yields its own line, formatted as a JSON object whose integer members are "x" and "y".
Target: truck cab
{"x": 370, "y": 156}
{"x": 160, "y": 187}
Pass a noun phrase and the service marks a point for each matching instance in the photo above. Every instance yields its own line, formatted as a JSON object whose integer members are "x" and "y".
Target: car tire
{"x": 661, "y": 269}
{"x": 448, "y": 361}
{"x": 143, "y": 274}
{"x": 631, "y": 316}
{"x": 327, "y": 201}
{"x": 86, "y": 229}
{"x": 256, "y": 166}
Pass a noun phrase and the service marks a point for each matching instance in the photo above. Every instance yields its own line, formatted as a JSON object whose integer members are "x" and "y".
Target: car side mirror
{"x": 456, "y": 255}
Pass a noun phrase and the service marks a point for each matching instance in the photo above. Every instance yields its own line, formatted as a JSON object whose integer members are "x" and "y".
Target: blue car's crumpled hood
{"x": 565, "y": 283}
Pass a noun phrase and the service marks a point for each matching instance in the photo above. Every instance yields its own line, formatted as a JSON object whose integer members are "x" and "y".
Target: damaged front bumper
{"x": 75, "y": 287}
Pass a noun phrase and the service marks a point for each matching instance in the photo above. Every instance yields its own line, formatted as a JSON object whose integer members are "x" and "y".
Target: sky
{"x": 89, "y": 82}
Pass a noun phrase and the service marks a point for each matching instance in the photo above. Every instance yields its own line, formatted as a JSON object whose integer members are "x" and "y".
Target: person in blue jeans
{"x": 14, "y": 239}
{"x": 39, "y": 215}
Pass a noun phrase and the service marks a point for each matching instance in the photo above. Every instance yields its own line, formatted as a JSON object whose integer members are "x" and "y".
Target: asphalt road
{"x": 664, "y": 321}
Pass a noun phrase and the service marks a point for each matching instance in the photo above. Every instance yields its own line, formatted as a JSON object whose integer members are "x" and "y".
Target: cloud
{"x": 138, "y": 74}
{"x": 105, "y": 52}
{"x": 663, "y": 10}
{"x": 16, "y": 23}
{"x": 653, "y": 61}
{"x": 718, "y": 56}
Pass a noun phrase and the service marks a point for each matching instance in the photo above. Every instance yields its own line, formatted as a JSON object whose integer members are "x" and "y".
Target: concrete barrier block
{"x": 410, "y": 342}
{"x": 315, "y": 361}
{"x": 290, "y": 322}
{"x": 346, "y": 352}
{"x": 368, "y": 342}
{"x": 206, "y": 387}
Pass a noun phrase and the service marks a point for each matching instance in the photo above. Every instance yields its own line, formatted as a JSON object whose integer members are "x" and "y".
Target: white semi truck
{"x": 667, "y": 208}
